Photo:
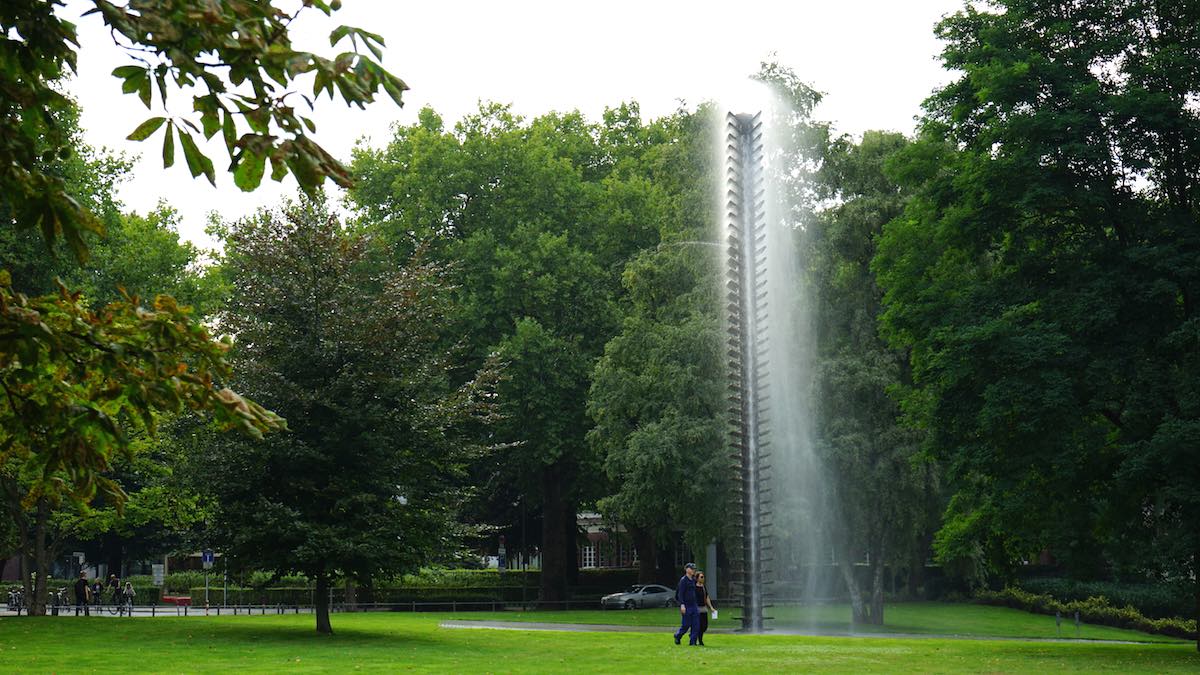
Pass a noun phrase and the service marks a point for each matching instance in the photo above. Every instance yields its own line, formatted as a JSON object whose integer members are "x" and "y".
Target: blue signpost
{"x": 206, "y": 557}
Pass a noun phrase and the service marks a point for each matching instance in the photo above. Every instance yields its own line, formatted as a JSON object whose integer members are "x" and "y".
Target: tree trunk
{"x": 1196, "y": 574}
{"x": 322, "y": 604}
{"x": 25, "y": 560}
{"x": 41, "y": 561}
{"x": 570, "y": 543}
{"x": 351, "y": 595}
{"x": 665, "y": 565}
{"x": 858, "y": 609}
{"x": 865, "y": 609}
{"x": 876, "y": 617}
{"x": 554, "y": 565}
{"x": 916, "y": 570}
{"x": 643, "y": 543}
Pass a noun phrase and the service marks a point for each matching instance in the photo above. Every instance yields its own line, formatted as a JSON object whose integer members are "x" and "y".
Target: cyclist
{"x": 127, "y": 597}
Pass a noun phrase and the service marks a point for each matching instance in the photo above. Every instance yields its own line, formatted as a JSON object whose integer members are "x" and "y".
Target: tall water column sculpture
{"x": 745, "y": 224}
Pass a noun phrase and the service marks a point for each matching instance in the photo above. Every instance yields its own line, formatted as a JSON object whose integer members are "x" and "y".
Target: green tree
{"x": 90, "y": 178}
{"x": 658, "y": 402}
{"x": 234, "y": 59}
{"x": 1045, "y": 280}
{"x": 76, "y": 381}
{"x": 137, "y": 255}
{"x": 882, "y": 490}
{"x": 657, "y": 397}
{"x": 539, "y": 217}
{"x": 541, "y": 397}
{"x": 367, "y": 481}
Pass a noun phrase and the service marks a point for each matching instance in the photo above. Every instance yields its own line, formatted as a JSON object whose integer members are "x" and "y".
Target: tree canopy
{"x": 233, "y": 59}
{"x": 1044, "y": 278}
{"x": 366, "y": 481}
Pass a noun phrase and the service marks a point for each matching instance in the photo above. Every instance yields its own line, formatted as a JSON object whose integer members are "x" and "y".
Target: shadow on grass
{"x": 292, "y": 634}
{"x": 229, "y": 632}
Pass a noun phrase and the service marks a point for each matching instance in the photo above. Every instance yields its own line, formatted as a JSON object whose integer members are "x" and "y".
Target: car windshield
{"x": 634, "y": 589}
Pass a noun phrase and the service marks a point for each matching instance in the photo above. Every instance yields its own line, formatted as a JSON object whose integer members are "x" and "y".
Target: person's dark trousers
{"x": 79, "y": 602}
{"x": 688, "y": 622}
{"x": 703, "y": 627}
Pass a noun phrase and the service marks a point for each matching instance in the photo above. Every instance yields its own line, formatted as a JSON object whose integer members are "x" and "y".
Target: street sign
{"x": 157, "y": 570}
{"x": 207, "y": 557}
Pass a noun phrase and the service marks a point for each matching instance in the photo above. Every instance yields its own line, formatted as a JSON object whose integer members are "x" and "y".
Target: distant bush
{"x": 589, "y": 579}
{"x": 1094, "y": 610}
{"x": 1158, "y": 601}
{"x": 436, "y": 576}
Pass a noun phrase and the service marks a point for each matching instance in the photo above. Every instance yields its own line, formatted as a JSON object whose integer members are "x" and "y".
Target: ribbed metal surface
{"x": 745, "y": 225}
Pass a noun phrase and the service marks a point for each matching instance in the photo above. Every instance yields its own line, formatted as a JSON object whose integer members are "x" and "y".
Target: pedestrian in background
{"x": 83, "y": 594}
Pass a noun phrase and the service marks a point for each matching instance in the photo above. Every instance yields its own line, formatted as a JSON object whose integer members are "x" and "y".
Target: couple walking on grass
{"x": 694, "y": 605}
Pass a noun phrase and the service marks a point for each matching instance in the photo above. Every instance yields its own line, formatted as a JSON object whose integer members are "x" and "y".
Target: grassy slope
{"x": 934, "y": 618}
{"x": 415, "y": 643}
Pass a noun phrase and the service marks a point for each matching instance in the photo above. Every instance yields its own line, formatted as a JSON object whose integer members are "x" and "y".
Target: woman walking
{"x": 706, "y": 606}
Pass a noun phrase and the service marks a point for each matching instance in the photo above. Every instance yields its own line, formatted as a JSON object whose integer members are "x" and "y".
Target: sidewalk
{"x": 146, "y": 611}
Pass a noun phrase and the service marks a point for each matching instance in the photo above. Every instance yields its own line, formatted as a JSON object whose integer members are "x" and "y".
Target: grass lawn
{"x": 415, "y": 643}
{"x": 927, "y": 618}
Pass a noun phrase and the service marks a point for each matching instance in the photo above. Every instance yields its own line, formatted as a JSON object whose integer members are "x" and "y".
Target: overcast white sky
{"x": 874, "y": 59}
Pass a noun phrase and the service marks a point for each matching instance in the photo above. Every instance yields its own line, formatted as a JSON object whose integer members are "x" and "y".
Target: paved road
{"x": 165, "y": 611}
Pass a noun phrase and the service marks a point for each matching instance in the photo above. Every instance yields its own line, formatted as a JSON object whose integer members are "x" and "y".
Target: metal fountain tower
{"x": 745, "y": 224}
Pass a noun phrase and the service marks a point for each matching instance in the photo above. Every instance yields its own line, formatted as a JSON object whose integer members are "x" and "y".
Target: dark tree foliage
{"x": 353, "y": 353}
{"x": 1046, "y": 280}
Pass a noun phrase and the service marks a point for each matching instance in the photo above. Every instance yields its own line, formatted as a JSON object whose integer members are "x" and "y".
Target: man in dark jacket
{"x": 81, "y": 594}
{"x": 685, "y": 595}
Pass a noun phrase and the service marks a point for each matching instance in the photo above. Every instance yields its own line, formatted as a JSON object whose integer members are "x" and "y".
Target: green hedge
{"x": 1095, "y": 610}
{"x": 382, "y": 595}
{"x": 430, "y": 585}
{"x": 252, "y": 596}
{"x": 611, "y": 579}
{"x": 1158, "y": 601}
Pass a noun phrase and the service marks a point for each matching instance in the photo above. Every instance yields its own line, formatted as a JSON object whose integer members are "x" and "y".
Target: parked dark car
{"x": 639, "y": 596}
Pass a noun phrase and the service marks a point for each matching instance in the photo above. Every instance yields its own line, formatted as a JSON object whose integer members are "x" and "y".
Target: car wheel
{"x": 630, "y": 604}
{"x": 668, "y": 602}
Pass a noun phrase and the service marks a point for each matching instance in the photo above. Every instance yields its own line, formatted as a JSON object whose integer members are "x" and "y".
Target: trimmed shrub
{"x": 1158, "y": 601}
{"x": 428, "y": 585}
{"x": 1094, "y": 610}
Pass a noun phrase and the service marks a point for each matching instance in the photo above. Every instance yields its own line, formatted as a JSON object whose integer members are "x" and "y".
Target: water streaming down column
{"x": 745, "y": 224}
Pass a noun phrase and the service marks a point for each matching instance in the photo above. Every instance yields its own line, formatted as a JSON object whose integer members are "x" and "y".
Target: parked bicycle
{"x": 57, "y": 600}
{"x": 16, "y": 599}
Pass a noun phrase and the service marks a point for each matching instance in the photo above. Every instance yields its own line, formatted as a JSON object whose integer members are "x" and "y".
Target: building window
{"x": 589, "y": 556}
